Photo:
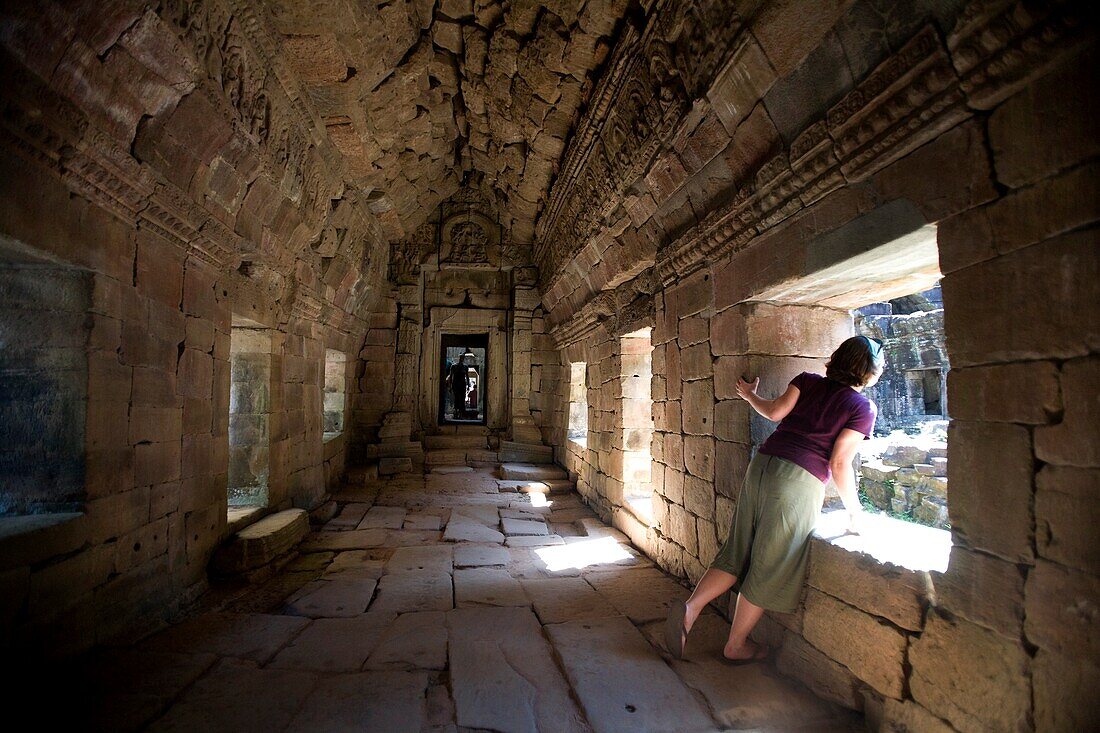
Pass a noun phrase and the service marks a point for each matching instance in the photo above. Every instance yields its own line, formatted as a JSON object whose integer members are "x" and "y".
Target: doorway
{"x": 463, "y": 376}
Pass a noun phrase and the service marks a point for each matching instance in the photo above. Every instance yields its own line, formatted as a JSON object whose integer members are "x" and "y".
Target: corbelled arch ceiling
{"x": 419, "y": 94}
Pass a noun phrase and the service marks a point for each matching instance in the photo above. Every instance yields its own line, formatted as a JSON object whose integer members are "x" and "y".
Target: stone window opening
{"x": 577, "y": 430}
{"x": 44, "y": 375}
{"x": 903, "y": 469}
{"x": 335, "y": 398}
{"x": 926, "y": 388}
{"x": 636, "y": 375}
{"x": 888, "y": 255}
{"x": 250, "y": 350}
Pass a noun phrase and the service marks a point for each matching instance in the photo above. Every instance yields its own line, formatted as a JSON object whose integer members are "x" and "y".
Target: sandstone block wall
{"x": 136, "y": 157}
{"x": 757, "y": 196}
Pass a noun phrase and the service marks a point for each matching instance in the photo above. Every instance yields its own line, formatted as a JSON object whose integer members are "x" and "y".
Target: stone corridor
{"x": 375, "y": 364}
{"x": 448, "y": 602}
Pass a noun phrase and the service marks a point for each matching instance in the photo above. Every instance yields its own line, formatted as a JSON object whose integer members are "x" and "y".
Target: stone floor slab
{"x": 420, "y": 591}
{"x": 642, "y": 594}
{"x": 476, "y": 556}
{"x": 431, "y": 522}
{"x": 368, "y": 702}
{"x": 349, "y": 517}
{"x": 237, "y": 696}
{"x": 503, "y": 675}
{"x": 255, "y": 636}
{"x": 357, "y": 539}
{"x": 526, "y": 487}
{"x": 622, "y": 683}
{"x": 464, "y": 529}
{"x": 531, "y": 472}
{"x": 566, "y": 599}
{"x": 569, "y": 515}
{"x": 450, "y": 470}
{"x": 124, "y": 689}
{"x": 336, "y": 598}
{"x": 412, "y": 537}
{"x": 534, "y": 540}
{"x": 335, "y": 644}
{"x": 487, "y": 514}
{"x": 383, "y": 517}
{"x": 368, "y": 564}
{"x": 526, "y": 527}
{"x": 487, "y": 587}
{"x": 430, "y": 558}
{"x": 413, "y": 641}
{"x": 536, "y": 514}
{"x": 746, "y": 697}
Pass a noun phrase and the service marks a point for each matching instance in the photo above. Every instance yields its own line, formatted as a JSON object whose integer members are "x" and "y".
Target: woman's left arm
{"x": 774, "y": 410}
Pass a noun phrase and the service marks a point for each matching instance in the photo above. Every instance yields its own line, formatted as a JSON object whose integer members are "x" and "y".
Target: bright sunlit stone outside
{"x": 889, "y": 540}
{"x": 580, "y": 555}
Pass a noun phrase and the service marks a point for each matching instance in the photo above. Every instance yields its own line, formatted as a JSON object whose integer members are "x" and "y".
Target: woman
{"x": 821, "y": 423}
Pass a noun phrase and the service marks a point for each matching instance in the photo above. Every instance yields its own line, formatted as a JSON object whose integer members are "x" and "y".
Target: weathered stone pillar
{"x": 397, "y": 450}
{"x": 523, "y": 427}
{"x": 407, "y": 367}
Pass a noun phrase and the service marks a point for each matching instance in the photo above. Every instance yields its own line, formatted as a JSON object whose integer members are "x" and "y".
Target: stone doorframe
{"x": 462, "y": 321}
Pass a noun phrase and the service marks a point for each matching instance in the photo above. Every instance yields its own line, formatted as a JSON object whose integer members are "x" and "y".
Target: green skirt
{"x": 768, "y": 547}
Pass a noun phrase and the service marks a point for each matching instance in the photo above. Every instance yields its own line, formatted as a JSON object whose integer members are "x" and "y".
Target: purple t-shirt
{"x": 824, "y": 408}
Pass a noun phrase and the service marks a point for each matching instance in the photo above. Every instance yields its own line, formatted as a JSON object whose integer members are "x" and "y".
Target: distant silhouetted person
{"x": 456, "y": 381}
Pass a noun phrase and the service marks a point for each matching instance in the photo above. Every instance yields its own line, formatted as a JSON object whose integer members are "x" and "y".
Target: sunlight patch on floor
{"x": 579, "y": 555}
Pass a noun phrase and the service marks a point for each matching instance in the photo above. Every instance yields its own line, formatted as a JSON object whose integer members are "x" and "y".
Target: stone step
{"x": 513, "y": 452}
{"x": 443, "y": 442}
{"x": 561, "y": 486}
{"x": 410, "y": 449}
{"x": 593, "y": 527}
{"x": 390, "y": 465}
{"x": 445, "y": 457}
{"x": 528, "y": 472}
{"x": 360, "y": 475}
{"x": 462, "y": 430}
{"x": 262, "y": 542}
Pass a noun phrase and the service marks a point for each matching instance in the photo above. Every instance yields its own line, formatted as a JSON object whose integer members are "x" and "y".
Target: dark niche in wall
{"x": 44, "y": 327}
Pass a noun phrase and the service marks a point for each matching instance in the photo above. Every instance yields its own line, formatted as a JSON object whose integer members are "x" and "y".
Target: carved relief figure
{"x": 468, "y": 240}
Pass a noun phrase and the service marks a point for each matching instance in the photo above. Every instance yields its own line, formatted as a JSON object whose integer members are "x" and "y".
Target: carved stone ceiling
{"x": 417, "y": 93}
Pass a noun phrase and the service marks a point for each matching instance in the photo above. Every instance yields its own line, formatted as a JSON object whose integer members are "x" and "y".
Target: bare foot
{"x": 749, "y": 650}
{"x": 689, "y": 617}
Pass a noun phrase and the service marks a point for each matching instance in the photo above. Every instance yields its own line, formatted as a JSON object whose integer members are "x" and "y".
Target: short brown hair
{"x": 855, "y": 361}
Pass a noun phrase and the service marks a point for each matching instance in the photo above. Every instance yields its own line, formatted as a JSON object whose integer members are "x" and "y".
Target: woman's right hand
{"x": 747, "y": 388}
{"x": 857, "y": 522}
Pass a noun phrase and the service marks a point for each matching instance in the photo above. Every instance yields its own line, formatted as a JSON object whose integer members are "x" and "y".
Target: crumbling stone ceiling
{"x": 418, "y": 93}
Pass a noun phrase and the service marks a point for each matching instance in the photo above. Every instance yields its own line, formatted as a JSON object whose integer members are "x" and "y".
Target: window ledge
{"x": 889, "y": 541}
{"x": 582, "y": 442}
{"x": 329, "y": 437}
{"x": 641, "y": 508}
{"x": 239, "y": 517}
{"x": 29, "y": 539}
